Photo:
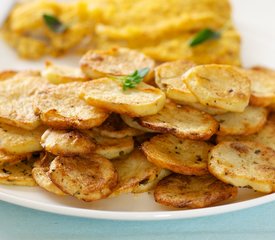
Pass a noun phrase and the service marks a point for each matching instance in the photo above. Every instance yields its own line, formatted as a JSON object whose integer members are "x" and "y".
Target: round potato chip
{"x": 115, "y": 62}
{"x": 244, "y": 164}
{"x": 133, "y": 122}
{"x": 10, "y": 159}
{"x": 182, "y": 191}
{"x": 60, "y": 107}
{"x": 108, "y": 93}
{"x": 88, "y": 179}
{"x": 187, "y": 157}
{"x": 250, "y": 121}
{"x": 67, "y": 143}
{"x": 220, "y": 86}
{"x": 182, "y": 121}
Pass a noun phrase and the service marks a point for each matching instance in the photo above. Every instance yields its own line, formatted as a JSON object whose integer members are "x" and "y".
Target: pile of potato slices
{"x": 191, "y": 133}
{"x": 161, "y": 29}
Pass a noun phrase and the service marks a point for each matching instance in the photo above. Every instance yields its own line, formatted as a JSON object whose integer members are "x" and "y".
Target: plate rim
{"x": 136, "y": 215}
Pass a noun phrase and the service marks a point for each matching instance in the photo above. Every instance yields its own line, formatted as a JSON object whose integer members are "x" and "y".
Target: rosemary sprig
{"x": 54, "y": 23}
{"x": 132, "y": 80}
{"x": 204, "y": 35}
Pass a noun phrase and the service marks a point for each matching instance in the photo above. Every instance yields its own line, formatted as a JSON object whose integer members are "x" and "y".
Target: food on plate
{"x": 111, "y": 147}
{"x": 115, "y": 62}
{"x": 262, "y": 86}
{"x": 17, "y": 97}
{"x": 40, "y": 174}
{"x": 266, "y": 136}
{"x": 19, "y": 174}
{"x": 220, "y": 86}
{"x": 115, "y": 127}
{"x": 136, "y": 173}
{"x": 244, "y": 164}
{"x": 181, "y": 121}
{"x": 20, "y": 141}
{"x": 59, "y": 106}
{"x": 57, "y": 74}
{"x": 250, "y": 121}
{"x": 67, "y": 143}
{"x": 89, "y": 178}
{"x": 38, "y": 28}
{"x": 182, "y": 191}
{"x": 108, "y": 93}
{"x": 184, "y": 156}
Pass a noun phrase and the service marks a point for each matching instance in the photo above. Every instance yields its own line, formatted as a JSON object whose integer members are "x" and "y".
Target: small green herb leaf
{"x": 135, "y": 78}
{"x": 54, "y": 23}
{"x": 202, "y": 36}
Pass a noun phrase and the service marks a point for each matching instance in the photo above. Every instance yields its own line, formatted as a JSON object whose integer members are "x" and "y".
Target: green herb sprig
{"x": 54, "y": 24}
{"x": 132, "y": 80}
{"x": 204, "y": 35}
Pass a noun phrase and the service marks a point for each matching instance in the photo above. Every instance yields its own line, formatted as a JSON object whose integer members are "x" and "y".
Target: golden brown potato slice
{"x": 110, "y": 147}
{"x": 20, "y": 141}
{"x": 60, "y": 107}
{"x": 244, "y": 164}
{"x": 135, "y": 173}
{"x": 5, "y": 75}
{"x": 115, "y": 127}
{"x": 265, "y": 136}
{"x": 40, "y": 174}
{"x": 67, "y": 143}
{"x": 220, "y": 86}
{"x": 10, "y": 159}
{"x": 133, "y": 123}
{"x": 88, "y": 179}
{"x": 262, "y": 86}
{"x": 18, "y": 174}
{"x": 182, "y": 121}
{"x": 108, "y": 93}
{"x": 187, "y": 157}
{"x": 168, "y": 78}
{"x": 182, "y": 191}
{"x": 115, "y": 62}
{"x": 16, "y": 99}
{"x": 250, "y": 121}
{"x": 62, "y": 74}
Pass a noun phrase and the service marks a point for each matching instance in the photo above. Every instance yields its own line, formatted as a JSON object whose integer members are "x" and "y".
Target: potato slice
{"x": 10, "y": 159}
{"x": 110, "y": 147}
{"x": 182, "y": 121}
{"x": 133, "y": 122}
{"x": 250, "y": 121}
{"x": 168, "y": 78}
{"x": 20, "y": 141}
{"x": 135, "y": 171}
{"x": 18, "y": 174}
{"x": 88, "y": 179}
{"x": 67, "y": 143}
{"x": 187, "y": 157}
{"x": 115, "y": 62}
{"x": 220, "y": 86}
{"x": 108, "y": 93}
{"x": 266, "y": 136}
{"x": 262, "y": 86}
{"x": 16, "y": 99}
{"x": 115, "y": 127}
{"x": 40, "y": 173}
{"x": 60, "y": 107}
{"x": 62, "y": 74}
{"x": 5, "y": 75}
{"x": 244, "y": 164}
{"x": 182, "y": 191}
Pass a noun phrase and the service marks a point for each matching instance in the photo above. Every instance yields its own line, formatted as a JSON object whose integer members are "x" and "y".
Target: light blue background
{"x": 18, "y": 223}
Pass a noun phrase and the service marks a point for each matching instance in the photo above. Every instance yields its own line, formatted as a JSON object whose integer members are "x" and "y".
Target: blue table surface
{"x": 18, "y": 223}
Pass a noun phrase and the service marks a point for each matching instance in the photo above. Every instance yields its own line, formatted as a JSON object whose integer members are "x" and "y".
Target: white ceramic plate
{"x": 253, "y": 19}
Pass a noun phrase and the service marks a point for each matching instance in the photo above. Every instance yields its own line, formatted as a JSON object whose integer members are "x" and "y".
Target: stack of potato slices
{"x": 191, "y": 133}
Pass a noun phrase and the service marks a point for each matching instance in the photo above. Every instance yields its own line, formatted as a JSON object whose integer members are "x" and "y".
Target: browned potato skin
{"x": 192, "y": 191}
{"x": 4, "y": 75}
{"x": 166, "y": 151}
{"x": 10, "y": 159}
{"x": 88, "y": 179}
{"x": 157, "y": 122}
